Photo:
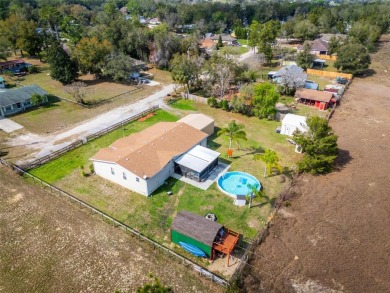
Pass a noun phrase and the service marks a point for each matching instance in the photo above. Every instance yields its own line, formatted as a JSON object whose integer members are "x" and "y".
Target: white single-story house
{"x": 144, "y": 160}
{"x": 16, "y": 100}
{"x": 199, "y": 121}
{"x": 292, "y": 122}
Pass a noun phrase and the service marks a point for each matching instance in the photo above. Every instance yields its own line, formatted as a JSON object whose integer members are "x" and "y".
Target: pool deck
{"x": 220, "y": 169}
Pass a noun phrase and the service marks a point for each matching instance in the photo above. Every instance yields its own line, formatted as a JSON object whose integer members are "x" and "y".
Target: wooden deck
{"x": 227, "y": 243}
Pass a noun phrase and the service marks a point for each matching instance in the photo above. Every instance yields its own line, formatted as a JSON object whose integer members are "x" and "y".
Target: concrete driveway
{"x": 8, "y": 125}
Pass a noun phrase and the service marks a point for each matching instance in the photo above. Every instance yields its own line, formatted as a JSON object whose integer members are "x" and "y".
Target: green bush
{"x": 33, "y": 69}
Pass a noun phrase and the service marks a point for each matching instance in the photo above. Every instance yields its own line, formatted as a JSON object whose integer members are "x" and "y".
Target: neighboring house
{"x": 17, "y": 100}
{"x": 291, "y": 123}
{"x": 199, "y": 121}
{"x": 188, "y": 230}
{"x": 292, "y": 76}
{"x": 319, "y": 99}
{"x": 153, "y": 22}
{"x": 2, "y": 82}
{"x": 14, "y": 65}
{"x": 318, "y": 47}
{"x": 143, "y": 161}
{"x": 226, "y": 39}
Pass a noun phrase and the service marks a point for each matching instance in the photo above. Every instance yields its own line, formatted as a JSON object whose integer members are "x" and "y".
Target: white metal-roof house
{"x": 292, "y": 122}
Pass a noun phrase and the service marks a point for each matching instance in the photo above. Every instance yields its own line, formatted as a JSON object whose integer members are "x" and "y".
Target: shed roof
{"x": 198, "y": 121}
{"x": 314, "y": 95}
{"x": 196, "y": 227}
{"x": 297, "y": 120}
{"x": 147, "y": 152}
{"x": 311, "y": 85}
{"x": 13, "y": 96}
{"x": 198, "y": 158}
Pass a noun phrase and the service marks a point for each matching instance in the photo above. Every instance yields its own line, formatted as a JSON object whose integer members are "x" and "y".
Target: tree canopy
{"x": 264, "y": 100}
{"x": 319, "y": 146}
{"x": 352, "y": 58}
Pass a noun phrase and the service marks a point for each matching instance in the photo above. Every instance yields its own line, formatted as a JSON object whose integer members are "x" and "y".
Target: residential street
{"x": 45, "y": 144}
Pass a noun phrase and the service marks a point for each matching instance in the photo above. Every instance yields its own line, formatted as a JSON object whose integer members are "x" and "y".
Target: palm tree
{"x": 254, "y": 193}
{"x": 234, "y": 131}
{"x": 271, "y": 160}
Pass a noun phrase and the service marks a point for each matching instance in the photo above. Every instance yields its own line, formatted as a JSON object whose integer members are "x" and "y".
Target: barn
{"x": 204, "y": 234}
{"x": 319, "y": 99}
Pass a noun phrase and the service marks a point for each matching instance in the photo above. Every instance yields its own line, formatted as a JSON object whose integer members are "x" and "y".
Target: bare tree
{"x": 78, "y": 90}
{"x": 222, "y": 73}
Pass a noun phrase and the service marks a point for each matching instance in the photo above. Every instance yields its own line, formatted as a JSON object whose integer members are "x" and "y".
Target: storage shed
{"x": 199, "y": 121}
{"x": 319, "y": 99}
{"x": 292, "y": 122}
{"x": 196, "y": 230}
{"x": 204, "y": 234}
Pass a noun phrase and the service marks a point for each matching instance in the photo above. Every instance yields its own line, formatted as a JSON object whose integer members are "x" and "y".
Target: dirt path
{"x": 50, "y": 245}
{"x": 335, "y": 236}
{"x": 42, "y": 145}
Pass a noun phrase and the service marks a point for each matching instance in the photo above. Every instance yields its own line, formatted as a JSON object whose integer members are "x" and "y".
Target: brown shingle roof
{"x": 196, "y": 227}
{"x": 314, "y": 95}
{"x": 147, "y": 152}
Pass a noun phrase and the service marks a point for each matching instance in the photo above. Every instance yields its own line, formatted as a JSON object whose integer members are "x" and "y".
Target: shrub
{"x": 33, "y": 69}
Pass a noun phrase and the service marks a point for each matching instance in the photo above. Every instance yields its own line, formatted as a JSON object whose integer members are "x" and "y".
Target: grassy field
{"x": 243, "y": 41}
{"x": 183, "y": 104}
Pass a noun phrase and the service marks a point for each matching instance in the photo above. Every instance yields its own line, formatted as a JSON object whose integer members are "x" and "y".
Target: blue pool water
{"x": 237, "y": 183}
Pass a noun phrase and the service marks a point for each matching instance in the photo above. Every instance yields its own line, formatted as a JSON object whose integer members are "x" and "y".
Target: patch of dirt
{"x": 48, "y": 244}
{"x": 146, "y": 117}
{"x": 339, "y": 237}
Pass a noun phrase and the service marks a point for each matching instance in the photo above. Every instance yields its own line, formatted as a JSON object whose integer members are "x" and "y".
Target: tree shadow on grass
{"x": 342, "y": 159}
{"x": 250, "y": 151}
{"x": 367, "y": 73}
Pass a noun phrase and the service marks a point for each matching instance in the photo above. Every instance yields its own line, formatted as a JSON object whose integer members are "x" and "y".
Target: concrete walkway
{"x": 220, "y": 169}
{"x": 45, "y": 144}
{"x": 8, "y": 125}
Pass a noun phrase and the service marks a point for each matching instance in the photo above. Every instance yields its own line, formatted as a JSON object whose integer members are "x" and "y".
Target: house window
{"x": 112, "y": 171}
{"x": 8, "y": 108}
{"x": 124, "y": 176}
{"x": 137, "y": 179}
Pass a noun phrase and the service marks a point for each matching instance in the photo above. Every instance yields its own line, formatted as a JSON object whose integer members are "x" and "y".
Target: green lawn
{"x": 243, "y": 41}
{"x": 183, "y": 104}
{"x": 65, "y": 165}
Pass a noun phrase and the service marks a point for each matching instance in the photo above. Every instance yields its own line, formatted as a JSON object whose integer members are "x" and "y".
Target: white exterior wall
{"x": 103, "y": 169}
{"x": 145, "y": 187}
{"x": 287, "y": 129}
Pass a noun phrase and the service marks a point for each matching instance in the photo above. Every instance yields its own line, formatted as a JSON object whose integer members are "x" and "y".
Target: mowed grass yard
{"x": 153, "y": 216}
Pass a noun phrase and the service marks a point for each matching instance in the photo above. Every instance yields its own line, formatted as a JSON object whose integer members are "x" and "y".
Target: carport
{"x": 196, "y": 163}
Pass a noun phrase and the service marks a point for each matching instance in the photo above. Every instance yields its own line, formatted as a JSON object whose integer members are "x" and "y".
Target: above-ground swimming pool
{"x": 237, "y": 183}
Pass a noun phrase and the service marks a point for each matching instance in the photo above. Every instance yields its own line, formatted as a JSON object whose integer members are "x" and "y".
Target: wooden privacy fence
{"x": 116, "y": 223}
{"x": 326, "y": 57}
{"x": 40, "y": 161}
{"x": 195, "y": 98}
{"x": 330, "y": 74}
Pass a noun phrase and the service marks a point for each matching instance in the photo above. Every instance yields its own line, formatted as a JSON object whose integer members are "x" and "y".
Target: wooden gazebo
{"x": 226, "y": 242}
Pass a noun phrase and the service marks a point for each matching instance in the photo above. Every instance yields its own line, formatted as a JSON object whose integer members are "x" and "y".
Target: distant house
{"x": 292, "y": 76}
{"x": 2, "y": 82}
{"x": 192, "y": 231}
{"x": 143, "y": 161}
{"x": 319, "y": 99}
{"x": 318, "y": 47}
{"x": 153, "y": 22}
{"x": 207, "y": 45}
{"x": 17, "y": 100}
{"x": 291, "y": 123}
{"x": 226, "y": 39}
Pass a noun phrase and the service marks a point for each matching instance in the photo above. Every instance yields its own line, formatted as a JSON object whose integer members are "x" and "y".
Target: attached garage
{"x": 199, "y": 121}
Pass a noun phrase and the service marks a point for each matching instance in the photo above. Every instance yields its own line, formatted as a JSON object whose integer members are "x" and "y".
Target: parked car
{"x": 341, "y": 80}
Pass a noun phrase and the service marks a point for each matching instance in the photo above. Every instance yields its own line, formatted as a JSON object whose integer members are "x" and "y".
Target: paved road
{"x": 45, "y": 144}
